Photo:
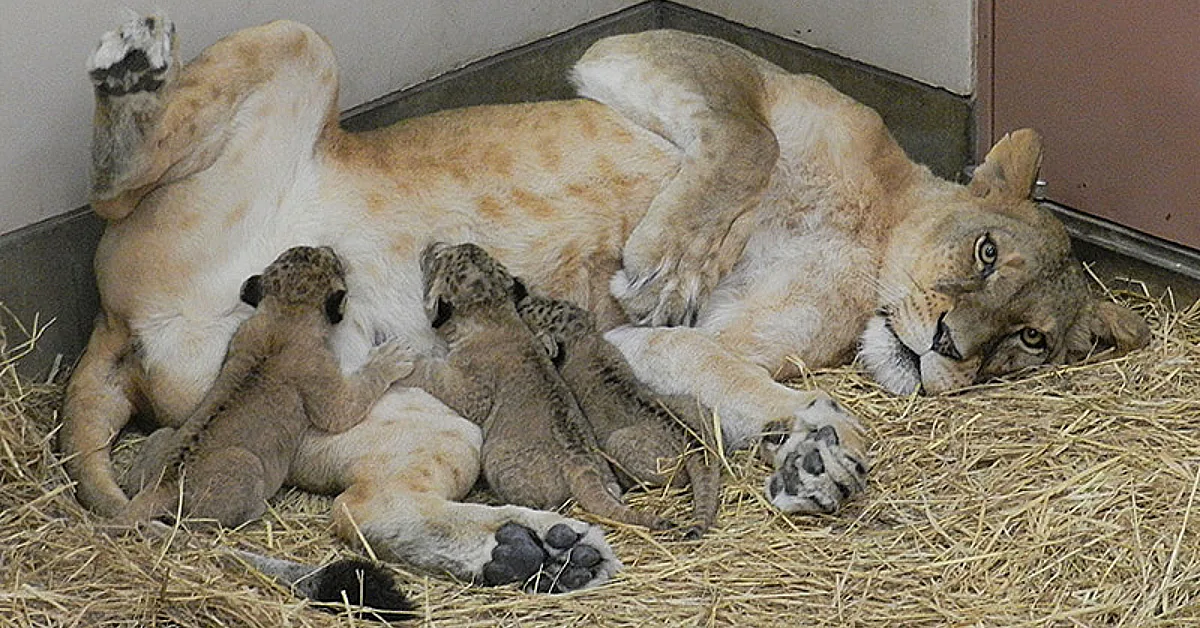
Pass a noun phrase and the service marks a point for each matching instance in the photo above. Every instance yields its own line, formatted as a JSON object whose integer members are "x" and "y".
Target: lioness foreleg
{"x": 818, "y": 450}
{"x": 706, "y": 97}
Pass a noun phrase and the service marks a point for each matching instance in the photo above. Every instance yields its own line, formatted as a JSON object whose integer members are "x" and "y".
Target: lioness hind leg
{"x": 129, "y": 69}
{"x": 157, "y": 122}
{"x": 540, "y": 550}
{"x": 705, "y": 97}
{"x": 397, "y": 474}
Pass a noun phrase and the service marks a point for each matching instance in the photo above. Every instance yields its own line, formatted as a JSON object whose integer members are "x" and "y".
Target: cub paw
{"x": 817, "y": 469}
{"x": 392, "y": 360}
{"x": 135, "y": 57}
{"x": 567, "y": 556}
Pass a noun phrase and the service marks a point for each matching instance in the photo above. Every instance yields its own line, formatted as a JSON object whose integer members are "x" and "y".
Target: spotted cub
{"x": 641, "y": 433}
{"x": 280, "y": 378}
{"x": 538, "y": 449}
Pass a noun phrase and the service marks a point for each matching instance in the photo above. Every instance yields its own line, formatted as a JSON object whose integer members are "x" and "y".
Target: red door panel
{"x": 1114, "y": 87}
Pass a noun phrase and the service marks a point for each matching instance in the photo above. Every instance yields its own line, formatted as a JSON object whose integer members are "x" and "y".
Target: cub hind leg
{"x": 650, "y": 453}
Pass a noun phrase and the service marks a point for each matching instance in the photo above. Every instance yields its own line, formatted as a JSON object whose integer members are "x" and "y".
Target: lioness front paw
{"x": 817, "y": 469}
{"x": 568, "y": 555}
{"x": 136, "y": 57}
{"x": 667, "y": 273}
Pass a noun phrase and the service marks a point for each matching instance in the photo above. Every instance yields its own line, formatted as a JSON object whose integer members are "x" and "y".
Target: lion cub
{"x": 637, "y": 430}
{"x": 538, "y": 450}
{"x": 279, "y": 378}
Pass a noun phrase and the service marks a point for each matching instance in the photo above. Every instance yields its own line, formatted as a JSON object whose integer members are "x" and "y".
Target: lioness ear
{"x": 252, "y": 293}
{"x": 1011, "y": 167}
{"x": 335, "y": 307}
{"x": 1105, "y": 324}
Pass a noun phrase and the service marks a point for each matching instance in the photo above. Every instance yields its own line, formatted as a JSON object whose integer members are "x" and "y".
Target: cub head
{"x": 301, "y": 277}
{"x": 983, "y": 283}
{"x": 560, "y": 319}
{"x": 462, "y": 277}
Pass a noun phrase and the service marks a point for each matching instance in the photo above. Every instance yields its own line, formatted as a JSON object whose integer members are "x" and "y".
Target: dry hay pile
{"x": 1066, "y": 498}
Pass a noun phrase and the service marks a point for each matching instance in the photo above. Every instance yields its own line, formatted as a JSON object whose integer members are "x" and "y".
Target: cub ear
{"x": 1010, "y": 169}
{"x": 442, "y": 313}
{"x": 335, "y": 307}
{"x": 519, "y": 291}
{"x": 1104, "y": 324}
{"x": 553, "y": 349}
{"x": 252, "y": 291}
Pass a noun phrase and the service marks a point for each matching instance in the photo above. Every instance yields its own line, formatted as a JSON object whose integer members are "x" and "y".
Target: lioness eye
{"x": 985, "y": 251}
{"x": 1033, "y": 338}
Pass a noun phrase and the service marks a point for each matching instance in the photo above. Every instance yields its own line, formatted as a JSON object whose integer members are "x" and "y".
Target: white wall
{"x": 931, "y": 41}
{"x": 382, "y": 46}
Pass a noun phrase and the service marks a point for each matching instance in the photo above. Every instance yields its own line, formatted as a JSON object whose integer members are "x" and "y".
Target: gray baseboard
{"x": 48, "y": 278}
{"x": 47, "y": 267}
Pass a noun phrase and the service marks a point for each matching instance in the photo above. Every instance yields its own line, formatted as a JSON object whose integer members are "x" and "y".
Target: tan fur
{"x": 538, "y": 449}
{"x": 645, "y": 437}
{"x": 828, "y": 237}
{"x": 279, "y": 380}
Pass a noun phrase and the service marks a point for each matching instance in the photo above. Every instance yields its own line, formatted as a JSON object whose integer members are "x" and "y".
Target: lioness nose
{"x": 943, "y": 342}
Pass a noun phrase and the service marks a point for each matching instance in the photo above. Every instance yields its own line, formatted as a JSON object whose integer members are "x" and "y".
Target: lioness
{"x": 709, "y": 186}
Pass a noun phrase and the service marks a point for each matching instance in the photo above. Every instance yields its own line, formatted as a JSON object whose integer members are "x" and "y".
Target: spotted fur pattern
{"x": 644, "y": 435}
{"x": 538, "y": 449}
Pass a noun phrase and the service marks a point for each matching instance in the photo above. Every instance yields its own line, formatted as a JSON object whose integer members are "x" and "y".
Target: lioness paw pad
{"x": 817, "y": 469}
{"x": 561, "y": 559}
{"x": 134, "y": 57}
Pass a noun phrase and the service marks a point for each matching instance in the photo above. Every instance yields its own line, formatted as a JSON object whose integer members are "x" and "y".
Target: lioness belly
{"x": 551, "y": 189}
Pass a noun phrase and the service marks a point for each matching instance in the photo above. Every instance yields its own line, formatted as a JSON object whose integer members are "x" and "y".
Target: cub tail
{"x": 364, "y": 589}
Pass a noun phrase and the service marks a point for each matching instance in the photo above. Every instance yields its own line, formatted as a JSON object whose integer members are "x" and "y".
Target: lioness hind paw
{"x": 562, "y": 559}
{"x": 134, "y": 57}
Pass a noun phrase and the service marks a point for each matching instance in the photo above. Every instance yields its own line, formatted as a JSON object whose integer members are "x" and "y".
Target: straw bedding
{"x": 1065, "y": 498}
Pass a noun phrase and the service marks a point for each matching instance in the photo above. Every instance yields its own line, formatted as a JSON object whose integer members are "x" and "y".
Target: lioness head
{"x": 302, "y": 276}
{"x": 460, "y": 277}
{"x": 983, "y": 283}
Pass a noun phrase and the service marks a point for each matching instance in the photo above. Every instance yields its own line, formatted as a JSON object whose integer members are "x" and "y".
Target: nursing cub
{"x": 642, "y": 434}
{"x": 279, "y": 380}
{"x": 538, "y": 449}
